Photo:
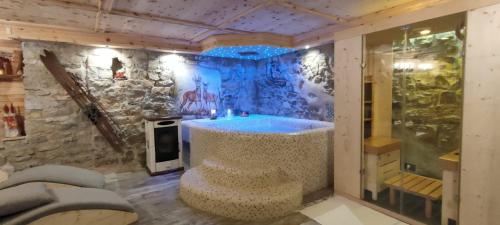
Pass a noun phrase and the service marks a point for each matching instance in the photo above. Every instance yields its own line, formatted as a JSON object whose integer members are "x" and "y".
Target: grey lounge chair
{"x": 68, "y": 206}
{"x": 56, "y": 176}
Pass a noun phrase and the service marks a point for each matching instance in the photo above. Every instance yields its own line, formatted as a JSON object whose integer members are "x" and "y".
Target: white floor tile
{"x": 342, "y": 211}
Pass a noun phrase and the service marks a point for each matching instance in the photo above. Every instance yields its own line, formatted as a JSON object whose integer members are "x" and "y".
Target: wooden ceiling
{"x": 184, "y": 24}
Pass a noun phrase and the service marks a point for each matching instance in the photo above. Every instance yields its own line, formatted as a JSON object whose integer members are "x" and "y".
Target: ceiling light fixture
{"x": 307, "y": 46}
{"x": 425, "y": 32}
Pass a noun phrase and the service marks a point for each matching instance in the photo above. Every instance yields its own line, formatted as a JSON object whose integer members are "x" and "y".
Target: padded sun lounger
{"x": 77, "y": 206}
{"x": 56, "y": 175}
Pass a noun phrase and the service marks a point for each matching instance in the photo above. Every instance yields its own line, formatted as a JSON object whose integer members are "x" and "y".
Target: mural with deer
{"x": 210, "y": 99}
{"x": 201, "y": 97}
{"x": 192, "y": 96}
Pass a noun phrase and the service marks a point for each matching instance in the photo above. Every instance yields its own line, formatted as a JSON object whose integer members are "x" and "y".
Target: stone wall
{"x": 427, "y": 103}
{"x": 60, "y": 133}
{"x": 298, "y": 84}
{"x": 156, "y": 84}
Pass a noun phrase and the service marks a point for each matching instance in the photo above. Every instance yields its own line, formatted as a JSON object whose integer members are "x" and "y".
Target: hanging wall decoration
{"x": 20, "y": 122}
{"x": 96, "y": 113}
{"x": 118, "y": 69}
{"x": 10, "y": 124}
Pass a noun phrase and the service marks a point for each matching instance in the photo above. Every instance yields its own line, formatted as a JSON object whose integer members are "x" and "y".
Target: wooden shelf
{"x": 11, "y": 77}
{"x": 13, "y": 138}
{"x": 450, "y": 161}
{"x": 368, "y": 79}
{"x": 381, "y": 145}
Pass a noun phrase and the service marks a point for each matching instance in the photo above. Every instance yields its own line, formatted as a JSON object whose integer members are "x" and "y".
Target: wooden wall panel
{"x": 379, "y": 66}
{"x": 11, "y": 88}
{"x": 347, "y": 139}
{"x": 480, "y": 176}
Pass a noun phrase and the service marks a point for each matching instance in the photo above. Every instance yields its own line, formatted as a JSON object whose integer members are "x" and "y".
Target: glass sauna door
{"x": 413, "y": 78}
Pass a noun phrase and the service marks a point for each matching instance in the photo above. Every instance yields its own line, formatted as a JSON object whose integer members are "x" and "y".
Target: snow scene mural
{"x": 297, "y": 84}
{"x": 205, "y": 83}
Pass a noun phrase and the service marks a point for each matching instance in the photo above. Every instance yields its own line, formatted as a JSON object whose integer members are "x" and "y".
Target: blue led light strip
{"x": 263, "y": 52}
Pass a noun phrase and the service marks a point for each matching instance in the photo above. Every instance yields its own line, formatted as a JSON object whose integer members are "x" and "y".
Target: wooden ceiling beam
{"x": 98, "y": 15}
{"x": 407, "y": 7}
{"x": 414, "y": 11}
{"x": 299, "y": 8}
{"x": 129, "y": 14}
{"x": 229, "y": 21}
{"x": 327, "y": 34}
{"x": 26, "y": 31}
{"x": 107, "y": 5}
{"x": 103, "y": 7}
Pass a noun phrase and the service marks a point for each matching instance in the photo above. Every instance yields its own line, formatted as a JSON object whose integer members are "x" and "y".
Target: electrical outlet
{"x": 410, "y": 167}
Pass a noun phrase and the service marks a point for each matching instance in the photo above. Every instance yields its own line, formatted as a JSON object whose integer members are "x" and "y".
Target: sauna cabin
{"x": 223, "y": 112}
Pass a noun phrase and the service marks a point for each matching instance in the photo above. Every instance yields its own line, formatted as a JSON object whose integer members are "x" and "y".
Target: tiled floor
{"x": 340, "y": 210}
{"x": 413, "y": 206}
{"x": 156, "y": 201}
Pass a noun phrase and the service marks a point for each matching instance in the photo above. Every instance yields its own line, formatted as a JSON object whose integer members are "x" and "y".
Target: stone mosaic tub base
{"x": 256, "y": 167}
{"x": 239, "y": 192}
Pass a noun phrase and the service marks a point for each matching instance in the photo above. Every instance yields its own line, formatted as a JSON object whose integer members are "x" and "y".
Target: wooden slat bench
{"x": 425, "y": 187}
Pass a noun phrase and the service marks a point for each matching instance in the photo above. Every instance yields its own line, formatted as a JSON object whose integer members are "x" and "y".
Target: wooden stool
{"x": 450, "y": 164}
{"x": 425, "y": 187}
{"x": 382, "y": 160}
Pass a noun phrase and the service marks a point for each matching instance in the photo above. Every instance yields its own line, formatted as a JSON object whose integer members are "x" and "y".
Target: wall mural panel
{"x": 200, "y": 83}
{"x": 299, "y": 84}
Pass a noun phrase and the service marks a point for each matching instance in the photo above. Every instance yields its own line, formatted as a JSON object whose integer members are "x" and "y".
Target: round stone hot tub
{"x": 257, "y": 167}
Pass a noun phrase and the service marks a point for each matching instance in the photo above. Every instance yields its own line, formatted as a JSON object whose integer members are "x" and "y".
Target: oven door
{"x": 166, "y": 143}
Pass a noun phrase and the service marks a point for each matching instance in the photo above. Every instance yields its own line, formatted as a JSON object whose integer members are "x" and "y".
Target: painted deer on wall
{"x": 193, "y": 96}
{"x": 208, "y": 97}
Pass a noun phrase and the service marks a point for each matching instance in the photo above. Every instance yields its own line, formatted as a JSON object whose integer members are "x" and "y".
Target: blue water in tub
{"x": 260, "y": 124}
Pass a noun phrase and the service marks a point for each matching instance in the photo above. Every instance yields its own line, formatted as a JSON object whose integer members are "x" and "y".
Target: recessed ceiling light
{"x": 425, "y": 32}
{"x": 307, "y": 46}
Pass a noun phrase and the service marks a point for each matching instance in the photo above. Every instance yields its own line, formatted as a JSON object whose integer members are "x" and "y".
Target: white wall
{"x": 347, "y": 139}
{"x": 480, "y": 176}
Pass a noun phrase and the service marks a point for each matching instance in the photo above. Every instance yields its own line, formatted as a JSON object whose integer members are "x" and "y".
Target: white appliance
{"x": 163, "y": 144}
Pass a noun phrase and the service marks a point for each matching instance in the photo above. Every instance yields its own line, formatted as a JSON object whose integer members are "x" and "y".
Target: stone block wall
{"x": 427, "y": 104}
{"x": 59, "y": 132}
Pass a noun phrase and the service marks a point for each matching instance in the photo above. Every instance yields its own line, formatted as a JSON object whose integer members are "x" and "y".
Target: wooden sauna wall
{"x": 379, "y": 71}
{"x": 348, "y": 121}
{"x": 480, "y": 175}
{"x": 480, "y": 139}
